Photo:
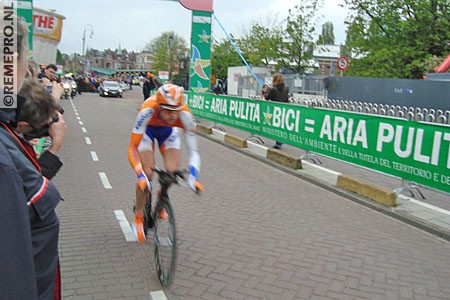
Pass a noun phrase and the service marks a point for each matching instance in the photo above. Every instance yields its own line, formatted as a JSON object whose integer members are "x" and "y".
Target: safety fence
{"x": 404, "y": 112}
{"x": 297, "y": 83}
{"x": 413, "y": 151}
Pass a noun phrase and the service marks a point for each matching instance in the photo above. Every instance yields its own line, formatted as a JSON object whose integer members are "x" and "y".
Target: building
{"x": 326, "y": 57}
{"x": 145, "y": 60}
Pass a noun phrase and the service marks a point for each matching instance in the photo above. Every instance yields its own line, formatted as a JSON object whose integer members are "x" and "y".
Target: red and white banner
{"x": 47, "y": 26}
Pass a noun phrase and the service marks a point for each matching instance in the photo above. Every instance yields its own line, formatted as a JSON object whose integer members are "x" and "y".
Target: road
{"x": 255, "y": 233}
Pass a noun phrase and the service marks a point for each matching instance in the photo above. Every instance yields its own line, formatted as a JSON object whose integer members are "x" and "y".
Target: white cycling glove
{"x": 193, "y": 178}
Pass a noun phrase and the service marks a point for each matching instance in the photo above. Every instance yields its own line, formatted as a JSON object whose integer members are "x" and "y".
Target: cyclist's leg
{"x": 171, "y": 151}
{"x": 148, "y": 163}
{"x": 146, "y": 156}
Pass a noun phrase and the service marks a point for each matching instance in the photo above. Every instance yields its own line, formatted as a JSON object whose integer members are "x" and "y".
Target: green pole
{"x": 25, "y": 12}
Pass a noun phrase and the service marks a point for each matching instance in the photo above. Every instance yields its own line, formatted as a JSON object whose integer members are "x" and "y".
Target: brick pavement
{"x": 256, "y": 233}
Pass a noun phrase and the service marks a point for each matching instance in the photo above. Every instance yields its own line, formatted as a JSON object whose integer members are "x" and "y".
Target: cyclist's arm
{"x": 140, "y": 125}
{"x": 191, "y": 139}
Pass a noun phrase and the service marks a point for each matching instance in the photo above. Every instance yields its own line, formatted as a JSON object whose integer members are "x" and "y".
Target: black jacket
{"x": 279, "y": 93}
{"x": 147, "y": 87}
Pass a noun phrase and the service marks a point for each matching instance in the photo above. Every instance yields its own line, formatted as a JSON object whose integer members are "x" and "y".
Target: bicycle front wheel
{"x": 165, "y": 242}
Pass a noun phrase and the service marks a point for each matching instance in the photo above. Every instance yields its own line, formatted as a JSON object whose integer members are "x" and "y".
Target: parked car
{"x": 124, "y": 86}
{"x": 110, "y": 88}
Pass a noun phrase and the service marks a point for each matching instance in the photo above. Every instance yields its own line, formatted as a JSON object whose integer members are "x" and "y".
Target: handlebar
{"x": 167, "y": 178}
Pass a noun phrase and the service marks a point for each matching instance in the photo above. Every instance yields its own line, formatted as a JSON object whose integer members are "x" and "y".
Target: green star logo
{"x": 267, "y": 116}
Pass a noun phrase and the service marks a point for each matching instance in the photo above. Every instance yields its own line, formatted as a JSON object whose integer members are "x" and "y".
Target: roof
{"x": 327, "y": 51}
{"x": 103, "y": 71}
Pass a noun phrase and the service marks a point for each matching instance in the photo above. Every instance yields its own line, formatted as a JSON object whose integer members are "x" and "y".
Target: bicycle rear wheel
{"x": 165, "y": 242}
{"x": 148, "y": 220}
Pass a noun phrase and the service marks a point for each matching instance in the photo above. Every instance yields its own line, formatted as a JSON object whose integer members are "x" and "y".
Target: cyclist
{"x": 160, "y": 119}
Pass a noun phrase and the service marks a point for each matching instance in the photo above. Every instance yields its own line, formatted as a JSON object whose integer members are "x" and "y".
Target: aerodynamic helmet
{"x": 170, "y": 96}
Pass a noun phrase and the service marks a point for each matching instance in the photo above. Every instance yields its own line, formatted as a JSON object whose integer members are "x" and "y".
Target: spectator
{"x": 278, "y": 92}
{"x": 49, "y": 73}
{"x": 37, "y": 106}
{"x": 17, "y": 271}
{"x": 80, "y": 84}
{"x": 29, "y": 252}
{"x": 156, "y": 82}
{"x": 147, "y": 88}
{"x": 52, "y": 87}
{"x": 33, "y": 70}
{"x": 265, "y": 90}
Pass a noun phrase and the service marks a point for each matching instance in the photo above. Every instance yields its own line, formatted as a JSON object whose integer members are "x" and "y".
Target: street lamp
{"x": 170, "y": 43}
{"x": 90, "y": 28}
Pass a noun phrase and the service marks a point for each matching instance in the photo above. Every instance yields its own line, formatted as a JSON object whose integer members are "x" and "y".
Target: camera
{"x": 55, "y": 119}
{"x": 43, "y": 131}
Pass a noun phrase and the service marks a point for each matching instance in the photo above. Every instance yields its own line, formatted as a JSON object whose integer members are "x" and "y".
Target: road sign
{"x": 342, "y": 63}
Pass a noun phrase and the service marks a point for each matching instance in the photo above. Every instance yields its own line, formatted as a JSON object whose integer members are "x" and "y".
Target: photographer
{"x": 48, "y": 79}
{"x": 49, "y": 73}
{"x": 40, "y": 108}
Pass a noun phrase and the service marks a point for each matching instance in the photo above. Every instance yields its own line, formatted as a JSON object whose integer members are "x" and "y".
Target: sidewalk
{"x": 431, "y": 214}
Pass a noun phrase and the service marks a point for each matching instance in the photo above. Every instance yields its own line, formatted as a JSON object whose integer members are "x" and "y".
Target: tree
{"x": 261, "y": 44}
{"x": 395, "y": 38}
{"x": 169, "y": 51}
{"x": 327, "y": 36}
{"x": 298, "y": 45}
{"x": 223, "y": 55}
{"x": 59, "y": 58}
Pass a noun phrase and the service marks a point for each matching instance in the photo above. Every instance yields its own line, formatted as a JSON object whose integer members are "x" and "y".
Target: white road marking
{"x": 83, "y": 129}
{"x": 78, "y": 118}
{"x": 158, "y": 295}
{"x": 81, "y": 123}
{"x": 105, "y": 180}
{"x": 88, "y": 140}
{"x": 94, "y": 156}
{"x": 126, "y": 227}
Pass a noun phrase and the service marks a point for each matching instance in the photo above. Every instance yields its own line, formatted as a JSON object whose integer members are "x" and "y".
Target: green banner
{"x": 419, "y": 152}
{"x": 200, "y": 70}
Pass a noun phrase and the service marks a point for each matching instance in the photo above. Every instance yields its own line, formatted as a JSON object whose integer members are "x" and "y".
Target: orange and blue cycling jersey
{"x": 149, "y": 127}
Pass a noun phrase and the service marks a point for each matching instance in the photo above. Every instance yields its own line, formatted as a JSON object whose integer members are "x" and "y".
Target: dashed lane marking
{"x": 94, "y": 156}
{"x": 125, "y": 226}
{"x": 105, "y": 180}
{"x": 88, "y": 141}
{"x": 158, "y": 295}
{"x": 79, "y": 122}
{"x": 83, "y": 129}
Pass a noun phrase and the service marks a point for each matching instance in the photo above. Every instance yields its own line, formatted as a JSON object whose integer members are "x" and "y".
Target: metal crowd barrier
{"x": 405, "y": 112}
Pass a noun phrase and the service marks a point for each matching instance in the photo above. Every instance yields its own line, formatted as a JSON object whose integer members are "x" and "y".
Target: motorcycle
{"x": 74, "y": 89}
{"x": 67, "y": 90}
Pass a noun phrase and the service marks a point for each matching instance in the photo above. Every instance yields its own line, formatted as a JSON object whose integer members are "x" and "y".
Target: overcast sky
{"x": 134, "y": 23}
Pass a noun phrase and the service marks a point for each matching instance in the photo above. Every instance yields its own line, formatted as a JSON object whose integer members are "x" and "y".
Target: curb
{"x": 371, "y": 196}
